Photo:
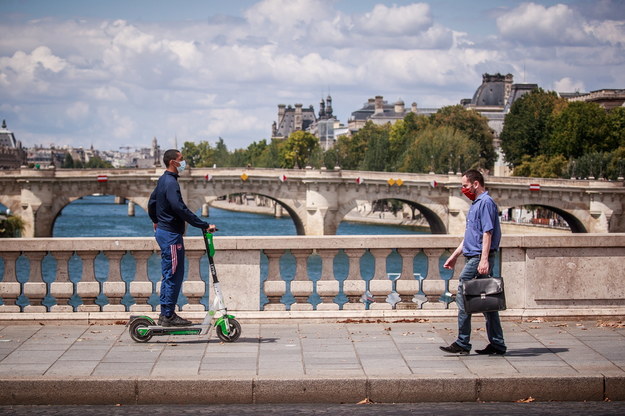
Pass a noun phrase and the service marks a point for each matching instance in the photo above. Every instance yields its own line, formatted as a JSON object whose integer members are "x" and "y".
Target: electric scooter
{"x": 142, "y": 328}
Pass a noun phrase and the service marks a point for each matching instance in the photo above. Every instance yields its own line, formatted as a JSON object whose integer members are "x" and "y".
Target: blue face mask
{"x": 183, "y": 165}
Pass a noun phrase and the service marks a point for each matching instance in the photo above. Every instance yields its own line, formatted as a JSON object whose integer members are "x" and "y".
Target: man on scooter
{"x": 169, "y": 213}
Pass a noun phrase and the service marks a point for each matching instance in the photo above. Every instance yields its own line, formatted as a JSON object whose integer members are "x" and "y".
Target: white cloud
{"x": 395, "y": 20}
{"x": 108, "y": 93}
{"x": 78, "y": 110}
{"x": 568, "y": 84}
{"x": 116, "y": 81}
{"x": 535, "y": 24}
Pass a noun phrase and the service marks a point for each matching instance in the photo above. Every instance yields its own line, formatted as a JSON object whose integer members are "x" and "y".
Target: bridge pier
{"x": 131, "y": 209}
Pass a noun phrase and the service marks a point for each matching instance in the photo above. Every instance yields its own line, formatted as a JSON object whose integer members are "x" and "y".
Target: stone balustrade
{"x": 569, "y": 275}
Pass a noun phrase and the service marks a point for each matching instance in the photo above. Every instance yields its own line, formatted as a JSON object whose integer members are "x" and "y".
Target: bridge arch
{"x": 575, "y": 224}
{"x": 431, "y": 211}
{"x": 196, "y": 201}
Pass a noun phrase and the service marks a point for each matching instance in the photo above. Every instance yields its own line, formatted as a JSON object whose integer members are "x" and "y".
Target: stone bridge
{"x": 316, "y": 200}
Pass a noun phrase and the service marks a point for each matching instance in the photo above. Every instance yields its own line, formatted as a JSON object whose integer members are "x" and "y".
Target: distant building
{"x": 381, "y": 112}
{"x": 606, "y": 98}
{"x": 134, "y": 157}
{"x": 45, "y": 157}
{"x": 291, "y": 119}
{"x": 12, "y": 155}
{"x": 325, "y": 127}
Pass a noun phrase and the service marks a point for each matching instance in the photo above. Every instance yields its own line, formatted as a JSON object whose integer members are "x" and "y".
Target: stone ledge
{"x": 80, "y": 391}
{"x": 12, "y": 318}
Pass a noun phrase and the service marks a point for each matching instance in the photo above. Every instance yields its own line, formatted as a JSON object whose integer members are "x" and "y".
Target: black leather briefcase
{"x": 484, "y": 294}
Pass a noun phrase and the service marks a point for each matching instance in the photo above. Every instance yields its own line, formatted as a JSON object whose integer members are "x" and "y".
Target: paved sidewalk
{"x": 311, "y": 363}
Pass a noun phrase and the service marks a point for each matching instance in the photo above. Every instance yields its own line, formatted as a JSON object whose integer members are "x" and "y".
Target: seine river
{"x": 99, "y": 216}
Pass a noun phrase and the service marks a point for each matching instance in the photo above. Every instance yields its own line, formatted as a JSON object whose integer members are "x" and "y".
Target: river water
{"x": 99, "y": 216}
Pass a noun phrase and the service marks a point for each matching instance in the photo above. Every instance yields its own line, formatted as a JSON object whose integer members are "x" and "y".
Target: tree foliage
{"x": 578, "y": 128}
{"x": 440, "y": 149}
{"x": 474, "y": 125}
{"x": 11, "y": 226}
{"x": 527, "y": 127}
{"x": 298, "y": 149}
{"x": 542, "y": 166}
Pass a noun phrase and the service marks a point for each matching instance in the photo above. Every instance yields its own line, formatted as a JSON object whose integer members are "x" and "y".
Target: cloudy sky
{"x": 118, "y": 73}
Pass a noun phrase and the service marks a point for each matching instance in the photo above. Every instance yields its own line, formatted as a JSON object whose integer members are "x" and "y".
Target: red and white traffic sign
{"x": 103, "y": 178}
{"x": 534, "y": 187}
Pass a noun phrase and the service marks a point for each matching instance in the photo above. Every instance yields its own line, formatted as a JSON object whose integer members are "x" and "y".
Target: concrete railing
{"x": 571, "y": 275}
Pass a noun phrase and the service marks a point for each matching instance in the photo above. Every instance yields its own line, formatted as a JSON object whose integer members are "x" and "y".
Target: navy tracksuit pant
{"x": 172, "y": 264}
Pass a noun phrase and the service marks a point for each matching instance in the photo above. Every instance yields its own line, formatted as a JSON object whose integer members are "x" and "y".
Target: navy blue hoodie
{"x": 167, "y": 209}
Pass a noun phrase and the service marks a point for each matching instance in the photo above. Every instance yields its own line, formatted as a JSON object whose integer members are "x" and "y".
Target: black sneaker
{"x": 173, "y": 320}
{"x": 490, "y": 349}
{"x": 455, "y": 349}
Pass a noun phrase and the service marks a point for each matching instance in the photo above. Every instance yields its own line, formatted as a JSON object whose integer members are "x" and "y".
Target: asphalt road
{"x": 438, "y": 409}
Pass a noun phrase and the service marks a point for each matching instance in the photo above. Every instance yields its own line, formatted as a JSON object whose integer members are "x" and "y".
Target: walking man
{"x": 169, "y": 213}
{"x": 481, "y": 241}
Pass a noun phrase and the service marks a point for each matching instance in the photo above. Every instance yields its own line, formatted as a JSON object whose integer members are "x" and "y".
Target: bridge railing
{"x": 545, "y": 275}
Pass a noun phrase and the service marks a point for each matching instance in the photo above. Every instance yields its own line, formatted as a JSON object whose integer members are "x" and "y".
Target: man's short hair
{"x": 474, "y": 175}
{"x": 171, "y": 154}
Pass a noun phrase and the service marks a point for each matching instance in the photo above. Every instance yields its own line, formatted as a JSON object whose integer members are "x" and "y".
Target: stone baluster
{"x": 88, "y": 288}
{"x": 380, "y": 286}
{"x": 141, "y": 288}
{"x": 274, "y": 287}
{"x": 10, "y": 288}
{"x": 354, "y": 286}
{"x": 194, "y": 287}
{"x": 114, "y": 288}
{"x": 433, "y": 285}
{"x": 407, "y": 286}
{"x": 301, "y": 286}
{"x": 62, "y": 288}
{"x": 327, "y": 285}
{"x": 35, "y": 288}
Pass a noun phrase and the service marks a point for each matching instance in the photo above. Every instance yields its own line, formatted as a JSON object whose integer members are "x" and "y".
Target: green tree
{"x": 352, "y": 151}
{"x": 474, "y": 125}
{"x": 68, "y": 162}
{"x": 198, "y": 155}
{"x": 401, "y": 135}
{"x": 527, "y": 127}
{"x": 97, "y": 162}
{"x": 437, "y": 149}
{"x": 376, "y": 156}
{"x": 11, "y": 226}
{"x": 298, "y": 149}
{"x": 542, "y": 166}
{"x": 616, "y": 127}
{"x": 270, "y": 157}
{"x": 221, "y": 155}
{"x": 579, "y": 128}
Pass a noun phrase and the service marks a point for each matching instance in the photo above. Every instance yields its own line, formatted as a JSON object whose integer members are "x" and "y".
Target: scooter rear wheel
{"x": 234, "y": 331}
{"x": 138, "y": 324}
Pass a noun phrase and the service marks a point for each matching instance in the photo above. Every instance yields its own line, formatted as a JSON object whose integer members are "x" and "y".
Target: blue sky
{"x": 118, "y": 73}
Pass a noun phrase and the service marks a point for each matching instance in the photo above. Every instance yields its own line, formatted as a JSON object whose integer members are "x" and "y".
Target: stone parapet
{"x": 311, "y": 277}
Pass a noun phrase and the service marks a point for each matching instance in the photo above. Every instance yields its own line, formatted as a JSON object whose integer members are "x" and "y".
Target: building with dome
{"x": 12, "y": 154}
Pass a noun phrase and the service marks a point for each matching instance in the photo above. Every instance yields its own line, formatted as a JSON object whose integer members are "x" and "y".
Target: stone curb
{"x": 12, "y": 318}
{"x": 92, "y": 391}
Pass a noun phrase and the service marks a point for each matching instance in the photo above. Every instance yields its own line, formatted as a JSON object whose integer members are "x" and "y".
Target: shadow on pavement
{"x": 533, "y": 352}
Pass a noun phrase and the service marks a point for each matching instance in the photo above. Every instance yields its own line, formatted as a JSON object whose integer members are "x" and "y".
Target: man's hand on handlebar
{"x": 211, "y": 228}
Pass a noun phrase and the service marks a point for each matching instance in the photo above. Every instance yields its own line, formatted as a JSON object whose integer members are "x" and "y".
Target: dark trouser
{"x": 172, "y": 264}
{"x": 493, "y": 323}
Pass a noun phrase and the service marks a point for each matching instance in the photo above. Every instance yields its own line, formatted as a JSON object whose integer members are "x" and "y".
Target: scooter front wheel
{"x": 138, "y": 330}
{"x": 234, "y": 331}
